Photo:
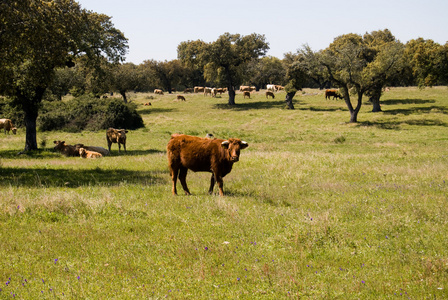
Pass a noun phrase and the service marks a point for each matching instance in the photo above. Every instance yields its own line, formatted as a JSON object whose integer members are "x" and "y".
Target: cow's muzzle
{"x": 235, "y": 158}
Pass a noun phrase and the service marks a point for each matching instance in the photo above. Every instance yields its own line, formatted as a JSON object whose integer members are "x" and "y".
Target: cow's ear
{"x": 126, "y": 131}
{"x": 244, "y": 145}
{"x": 225, "y": 144}
{"x": 55, "y": 142}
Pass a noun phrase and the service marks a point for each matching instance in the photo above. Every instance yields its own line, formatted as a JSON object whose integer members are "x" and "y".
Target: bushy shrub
{"x": 86, "y": 113}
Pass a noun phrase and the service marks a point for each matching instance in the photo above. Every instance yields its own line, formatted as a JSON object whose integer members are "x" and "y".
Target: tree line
{"x": 51, "y": 48}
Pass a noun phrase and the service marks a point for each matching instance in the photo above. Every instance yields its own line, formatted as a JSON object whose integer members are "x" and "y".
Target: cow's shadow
{"x": 73, "y": 178}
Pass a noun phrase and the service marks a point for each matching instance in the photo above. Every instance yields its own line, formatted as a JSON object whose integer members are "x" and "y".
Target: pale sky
{"x": 155, "y": 28}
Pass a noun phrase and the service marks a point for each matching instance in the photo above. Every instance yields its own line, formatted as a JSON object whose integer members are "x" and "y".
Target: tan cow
{"x": 158, "y": 92}
{"x": 207, "y": 91}
{"x": 7, "y": 125}
{"x": 103, "y": 151}
{"x": 246, "y": 88}
{"x": 116, "y": 136}
{"x": 269, "y": 93}
{"x": 198, "y": 89}
{"x": 83, "y": 153}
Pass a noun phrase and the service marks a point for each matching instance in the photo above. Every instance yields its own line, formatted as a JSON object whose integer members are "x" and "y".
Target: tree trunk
{"x": 123, "y": 94}
{"x": 353, "y": 116}
{"x": 376, "y": 104}
{"x": 231, "y": 95}
{"x": 31, "y": 135}
{"x": 288, "y": 100}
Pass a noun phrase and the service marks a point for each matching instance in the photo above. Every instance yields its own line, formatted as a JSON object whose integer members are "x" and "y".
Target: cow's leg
{"x": 174, "y": 172}
{"x": 119, "y": 147}
{"x": 183, "y": 179}
{"x": 124, "y": 147}
{"x": 212, "y": 184}
{"x": 220, "y": 182}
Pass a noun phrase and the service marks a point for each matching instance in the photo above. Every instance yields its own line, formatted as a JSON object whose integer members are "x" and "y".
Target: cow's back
{"x": 194, "y": 153}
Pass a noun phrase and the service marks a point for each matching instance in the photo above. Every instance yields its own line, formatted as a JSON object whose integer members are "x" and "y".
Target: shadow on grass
{"x": 50, "y": 153}
{"x": 395, "y": 125}
{"x": 406, "y": 101}
{"x": 417, "y": 110}
{"x": 147, "y": 111}
{"x": 43, "y": 177}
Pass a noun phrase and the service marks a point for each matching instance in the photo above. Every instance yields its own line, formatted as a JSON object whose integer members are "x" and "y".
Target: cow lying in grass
{"x": 202, "y": 155}
{"x": 83, "y": 153}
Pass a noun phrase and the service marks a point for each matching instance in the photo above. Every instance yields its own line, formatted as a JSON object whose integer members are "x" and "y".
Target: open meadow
{"x": 316, "y": 207}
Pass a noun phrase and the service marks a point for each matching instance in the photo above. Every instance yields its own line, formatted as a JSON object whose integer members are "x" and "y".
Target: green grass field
{"x": 316, "y": 207}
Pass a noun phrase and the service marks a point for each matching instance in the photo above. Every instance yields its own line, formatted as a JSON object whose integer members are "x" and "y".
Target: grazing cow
{"x": 7, "y": 125}
{"x": 180, "y": 97}
{"x": 116, "y": 136}
{"x": 147, "y": 104}
{"x": 202, "y": 155}
{"x": 158, "y": 92}
{"x": 188, "y": 90}
{"x": 334, "y": 93}
{"x": 67, "y": 150}
{"x": 269, "y": 93}
{"x": 83, "y": 153}
{"x": 246, "y": 94}
{"x": 101, "y": 150}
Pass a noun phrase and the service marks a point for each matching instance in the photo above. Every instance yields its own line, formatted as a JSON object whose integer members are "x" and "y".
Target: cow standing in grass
{"x": 202, "y": 155}
{"x": 116, "y": 136}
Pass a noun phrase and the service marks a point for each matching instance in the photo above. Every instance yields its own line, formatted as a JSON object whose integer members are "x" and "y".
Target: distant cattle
{"x": 188, "y": 90}
{"x": 103, "y": 151}
{"x": 246, "y": 88}
{"x": 67, "y": 150}
{"x": 269, "y": 93}
{"x": 207, "y": 91}
{"x": 83, "y": 153}
{"x": 202, "y": 155}
{"x": 271, "y": 87}
{"x": 198, "y": 89}
{"x": 180, "y": 97}
{"x": 334, "y": 93}
{"x": 246, "y": 94}
{"x": 7, "y": 125}
{"x": 158, "y": 92}
{"x": 116, "y": 136}
{"x": 147, "y": 104}
{"x": 279, "y": 87}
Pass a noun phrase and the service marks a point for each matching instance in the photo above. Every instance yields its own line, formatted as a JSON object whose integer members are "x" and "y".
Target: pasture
{"x": 316, "y": 207}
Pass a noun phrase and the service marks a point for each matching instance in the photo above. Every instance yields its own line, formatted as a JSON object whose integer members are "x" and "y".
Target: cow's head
{"x": 82, "y": 152}
{"x": 233, "y": 146}
{"x": 14, "y": 130}
{"x": 59, "y": 145}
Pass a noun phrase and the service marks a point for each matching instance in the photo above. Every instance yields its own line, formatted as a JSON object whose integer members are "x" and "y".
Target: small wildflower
{"x": 206, "y": 248}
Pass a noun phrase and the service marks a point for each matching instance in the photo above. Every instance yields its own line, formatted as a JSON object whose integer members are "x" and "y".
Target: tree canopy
{"x": 38, "y": 36}
{"x": 223, "y": 59}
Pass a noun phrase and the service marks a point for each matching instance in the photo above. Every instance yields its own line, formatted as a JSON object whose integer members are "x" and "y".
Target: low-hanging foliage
{"x": 86, "y": 113}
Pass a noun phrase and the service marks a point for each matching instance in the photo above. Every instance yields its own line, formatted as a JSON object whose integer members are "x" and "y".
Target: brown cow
{"x": 202, "y": 155}
{"x": 246, "y": 94}
{"x": 116, "y": 136}
{"x": 334, "y": 93}
{"x": 67, "y": 150}
{"x": 269, "y": 93}
{"x": 180, "y": 97}
{"x": 83, "y": 153}
{"x": 7, "y": 125}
